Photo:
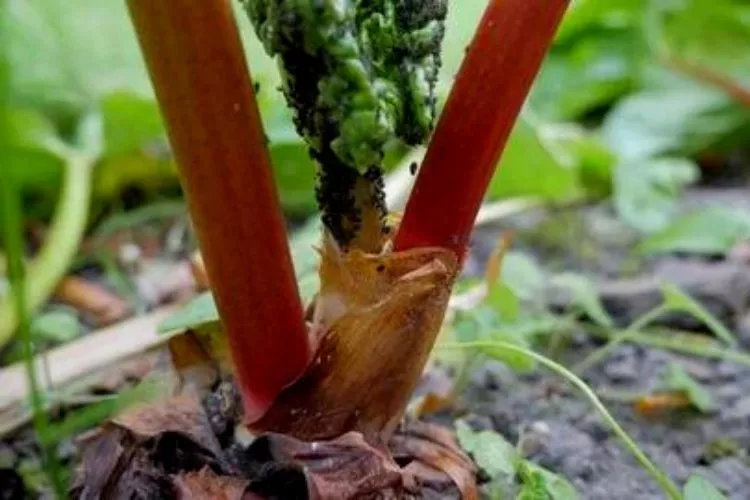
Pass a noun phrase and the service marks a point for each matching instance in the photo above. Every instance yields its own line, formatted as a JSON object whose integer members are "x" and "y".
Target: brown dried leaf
{"x": 343, "y": 468}
{"x": 654, "y": 405}
{"x": 207, "y": 485}
{"x": 437, "y": 461}
{"x": 92, "y": 299}
{"x": 181, "y": 415}
{"x": 136, "y": 454}
{"x": 115, "y": 378}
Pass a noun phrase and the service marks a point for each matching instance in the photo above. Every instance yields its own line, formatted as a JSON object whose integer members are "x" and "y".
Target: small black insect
{"x": 413, "y": 168}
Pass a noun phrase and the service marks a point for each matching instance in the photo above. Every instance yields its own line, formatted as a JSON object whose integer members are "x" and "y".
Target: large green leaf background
{"x": 69, "y": 58}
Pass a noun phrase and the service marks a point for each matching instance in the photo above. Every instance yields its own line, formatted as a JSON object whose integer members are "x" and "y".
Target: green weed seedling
{"x": 490, "y": 347}
{"x": 503, "y": 463}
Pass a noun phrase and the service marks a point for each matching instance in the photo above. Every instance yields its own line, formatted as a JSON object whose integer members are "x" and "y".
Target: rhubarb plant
{"x": 357, "y": 76}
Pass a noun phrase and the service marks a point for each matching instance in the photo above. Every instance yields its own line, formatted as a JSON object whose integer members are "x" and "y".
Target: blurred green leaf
{"x": 58, "y": 326}
{"x": 523, "y": 276}
{"x": 677, "y": 379}
{"x": 490, "y": 450}
{"x": 131, "y": 122}
{"x": 700, "y": 488}
{"x": 677, "y": 300}
{"x": 34, "y": 164}
{"x": 647, "y": 189}
{"x": 585, "y": 296}
{"x": 713, "y": 230}
{"x": 558, "y": 487}
{"x": 295, "y": 176}
{"x": 504, "y": 301}
{"x": 588, "y": 74}
{"x": 529, "y": 168}
{"x": 715, "y": 33}
{"x": 685, "y": 120}
{"x": 80, "y": 50}
{"x": 515, "y": 334}
{"x": 533, "y": 484}
{"x": 595, "y": 160}
{"x": 197, "y": 313}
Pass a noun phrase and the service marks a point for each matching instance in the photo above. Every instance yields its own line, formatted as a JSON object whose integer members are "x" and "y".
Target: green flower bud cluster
{"x": 357, "y": 73}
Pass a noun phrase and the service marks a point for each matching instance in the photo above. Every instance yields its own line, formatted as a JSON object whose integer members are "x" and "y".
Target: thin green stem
{"x": 615, "y": 341}
{"x": 670, "y": 488}
{"x": 679, "y": 343}
{"x": 64, "y": 238}
{"x": 16, "y": 303}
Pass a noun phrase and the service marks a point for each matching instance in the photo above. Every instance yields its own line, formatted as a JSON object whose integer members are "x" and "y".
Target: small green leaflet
{"x": 492, "y": 453}
{"x": 714, "y": 230}
{"x": 677, "y": 300}
{"x": 199, "y": 312}
{"x": 585, "y": 297}
{"x": 60, "y": 325}
{"x": 700, "y": 488}
{"x": 498, "y": 458}
{"x": 647, "y": 189}
{"x": 533, "y": 484}
{"x": 677, "y": 379}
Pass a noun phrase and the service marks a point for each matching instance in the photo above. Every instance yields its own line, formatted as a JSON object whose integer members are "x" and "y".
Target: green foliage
{"x": 59, "y": 325}
{"x": 556, "y": 486}
{"x": 647, "y": 190}
{"x": 528, "y": 167}
{"x": 200, "y": 312}
{"x": 498, "y": 346}
{"x": 700, "y": 488}
{"x": 678, "y": 380}
{"x": 585, "y": 297}
{"x": 523, "y": 276}
{"x": 598, "y": 57}
{"x": 679, "y": 120}
{"x": 502, "y": 462}
{"x": 490, "y": 450}
{"x": 713, "y": 230}
{"x": 711, "y": 32}
{"x": 677, "y": 300}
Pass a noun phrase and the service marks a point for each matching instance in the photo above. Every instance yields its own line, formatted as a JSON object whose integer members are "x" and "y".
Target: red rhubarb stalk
{"x": 487, "y": 96}
{"x": 197, "y": 66}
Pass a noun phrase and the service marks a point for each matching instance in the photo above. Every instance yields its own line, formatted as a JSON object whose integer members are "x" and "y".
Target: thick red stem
{"x": 487, "y": 96}
{"x": 196, "y": 62}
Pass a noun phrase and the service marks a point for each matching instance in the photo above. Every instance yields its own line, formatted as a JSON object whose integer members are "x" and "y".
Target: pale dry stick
{"x": 88, "y": 354}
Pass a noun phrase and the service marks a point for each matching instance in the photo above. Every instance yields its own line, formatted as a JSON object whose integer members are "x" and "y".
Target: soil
{"x": 558, "y": 427}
